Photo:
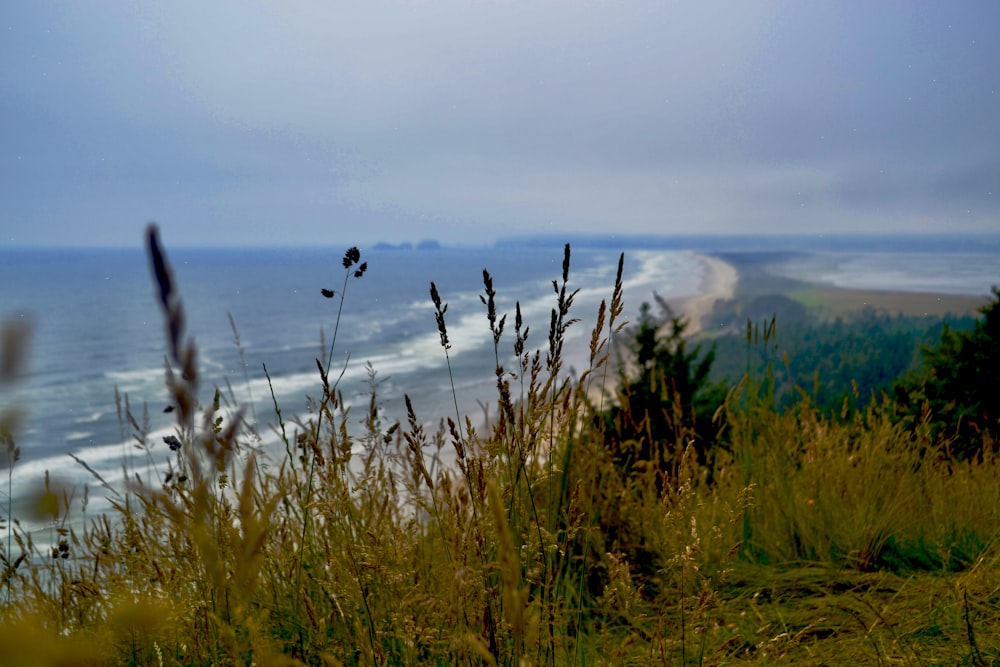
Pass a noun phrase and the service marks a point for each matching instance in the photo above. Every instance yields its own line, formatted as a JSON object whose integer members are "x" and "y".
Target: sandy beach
{"x": 719, "y": 282}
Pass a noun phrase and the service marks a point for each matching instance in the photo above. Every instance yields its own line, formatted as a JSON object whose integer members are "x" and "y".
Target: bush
{"x": 956, "y": 386}
{"x": 665, "y": 401}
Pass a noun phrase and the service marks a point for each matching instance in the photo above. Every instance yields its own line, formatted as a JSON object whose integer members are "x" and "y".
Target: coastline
{"x": 720, "y": 282}
{"x": 738, "y": 283}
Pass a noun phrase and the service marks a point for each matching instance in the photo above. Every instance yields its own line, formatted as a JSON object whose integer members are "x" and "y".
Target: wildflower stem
{"x": 336, "y": 326}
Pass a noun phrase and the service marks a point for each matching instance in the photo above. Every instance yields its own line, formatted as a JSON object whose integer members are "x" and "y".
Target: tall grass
{"x": 533, "y": 547}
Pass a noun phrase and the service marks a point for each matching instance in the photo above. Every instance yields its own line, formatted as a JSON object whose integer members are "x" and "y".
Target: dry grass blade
{"x": 96, "y": 475}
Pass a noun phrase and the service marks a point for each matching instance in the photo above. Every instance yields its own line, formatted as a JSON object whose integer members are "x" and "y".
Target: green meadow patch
{"x": 831, "y": 302}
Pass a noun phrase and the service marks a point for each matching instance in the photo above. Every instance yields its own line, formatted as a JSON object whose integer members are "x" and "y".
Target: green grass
{"x": 832, "y": 302}
{"x": 817, "y": 541}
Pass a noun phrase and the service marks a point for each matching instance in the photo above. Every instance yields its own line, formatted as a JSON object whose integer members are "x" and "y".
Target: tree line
{"x": 940, "y": 370}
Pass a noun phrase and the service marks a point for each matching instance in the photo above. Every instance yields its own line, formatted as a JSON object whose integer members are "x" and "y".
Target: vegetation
{"x": 848, "y": 361}
{"x": 667, "y": 403}
{"x": 956, "y": 384}
{"x": 805, "y": 539}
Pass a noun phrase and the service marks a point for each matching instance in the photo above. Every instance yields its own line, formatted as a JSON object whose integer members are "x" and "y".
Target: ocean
{"x": 97, "y": 328}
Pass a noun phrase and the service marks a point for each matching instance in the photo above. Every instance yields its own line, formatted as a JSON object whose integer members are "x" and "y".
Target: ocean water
{"x": 965, "y": 273}
{"x": 98, "y": 327}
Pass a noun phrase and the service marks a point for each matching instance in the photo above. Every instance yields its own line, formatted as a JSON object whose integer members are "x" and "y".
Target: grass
{"x": 833, "y": 302}
{"x": 816, "y": 541}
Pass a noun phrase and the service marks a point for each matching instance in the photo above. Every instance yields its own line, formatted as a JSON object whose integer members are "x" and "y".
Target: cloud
{"x": 261, "y": 120}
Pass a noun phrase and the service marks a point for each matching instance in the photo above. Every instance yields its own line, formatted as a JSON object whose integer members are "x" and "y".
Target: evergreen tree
{"x": 957, "y": 385}
{"x": 667, "y": 401}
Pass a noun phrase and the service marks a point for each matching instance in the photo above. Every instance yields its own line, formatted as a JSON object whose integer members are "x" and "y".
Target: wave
{"x": 394, "y": 330}
{"x": 136, "y": 378}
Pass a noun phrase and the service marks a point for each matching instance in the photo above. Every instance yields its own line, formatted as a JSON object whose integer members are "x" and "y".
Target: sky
{"x": 331, "y": 123}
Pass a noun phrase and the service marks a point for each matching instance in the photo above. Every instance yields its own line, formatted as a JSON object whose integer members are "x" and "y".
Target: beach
{"x": 719, "y": 282}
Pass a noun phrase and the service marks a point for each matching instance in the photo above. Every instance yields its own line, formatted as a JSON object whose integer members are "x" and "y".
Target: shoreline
{"x": 739, "y": 279}
{"x": 720, "y": 282}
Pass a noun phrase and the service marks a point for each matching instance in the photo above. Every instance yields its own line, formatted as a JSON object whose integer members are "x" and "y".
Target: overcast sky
{"x": 235, "y": 123}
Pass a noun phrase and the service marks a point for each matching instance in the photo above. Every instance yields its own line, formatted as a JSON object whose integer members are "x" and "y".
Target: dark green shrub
{"x": 956, "y": 385}
{"x": 666, "y": 400}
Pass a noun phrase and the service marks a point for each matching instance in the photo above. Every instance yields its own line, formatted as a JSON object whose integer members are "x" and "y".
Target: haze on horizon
{"x": 252, "y": 123}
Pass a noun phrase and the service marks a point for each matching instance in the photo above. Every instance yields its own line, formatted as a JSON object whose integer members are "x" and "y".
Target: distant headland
{"x": 974, "y": 243}
{"x": 426, "y": 244}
